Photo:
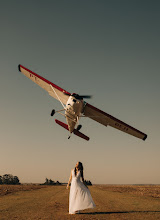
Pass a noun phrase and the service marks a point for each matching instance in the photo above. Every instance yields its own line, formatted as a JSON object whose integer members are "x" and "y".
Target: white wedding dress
{"x": 80, "y": 197}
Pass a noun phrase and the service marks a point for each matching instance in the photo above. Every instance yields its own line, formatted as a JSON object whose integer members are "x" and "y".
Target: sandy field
{"x": 33, "y": 202}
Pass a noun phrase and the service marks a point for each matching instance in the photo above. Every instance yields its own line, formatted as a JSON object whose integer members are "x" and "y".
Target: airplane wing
{"x": 53, "y": 90}
{"x": 106, "y": 119}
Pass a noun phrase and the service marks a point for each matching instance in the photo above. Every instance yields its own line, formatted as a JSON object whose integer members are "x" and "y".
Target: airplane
{"x": 74, "y": 107}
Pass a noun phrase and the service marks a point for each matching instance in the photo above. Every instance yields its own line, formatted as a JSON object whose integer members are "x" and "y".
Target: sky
{"x": 107, "y": 49}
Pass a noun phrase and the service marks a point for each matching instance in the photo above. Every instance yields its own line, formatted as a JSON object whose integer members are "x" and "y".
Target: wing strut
{"x": 57, "y": 96}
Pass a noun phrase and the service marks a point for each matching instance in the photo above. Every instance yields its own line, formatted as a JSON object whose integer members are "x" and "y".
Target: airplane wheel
{"x": 53, "y": 112}
{"x": 79, "y": 127}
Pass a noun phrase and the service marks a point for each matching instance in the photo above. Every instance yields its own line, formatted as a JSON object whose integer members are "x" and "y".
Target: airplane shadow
{"x": 108, "y": 213}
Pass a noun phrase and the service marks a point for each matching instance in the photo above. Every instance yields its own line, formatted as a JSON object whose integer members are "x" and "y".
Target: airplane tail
{"x": 78, "y": 133}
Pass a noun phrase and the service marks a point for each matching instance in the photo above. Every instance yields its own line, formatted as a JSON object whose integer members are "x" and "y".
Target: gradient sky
{"x": 108, "y": 49}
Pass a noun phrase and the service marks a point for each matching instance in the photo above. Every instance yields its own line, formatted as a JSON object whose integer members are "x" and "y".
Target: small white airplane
{"x": 75, "y": 107}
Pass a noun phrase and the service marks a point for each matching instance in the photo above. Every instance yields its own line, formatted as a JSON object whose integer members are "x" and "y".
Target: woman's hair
{"x": 80, "y": 168}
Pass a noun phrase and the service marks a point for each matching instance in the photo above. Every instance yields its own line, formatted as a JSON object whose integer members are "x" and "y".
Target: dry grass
{"x": 141, "y": 190}
{"x": 33, "y": 202}
{"x": 7, "y": 189}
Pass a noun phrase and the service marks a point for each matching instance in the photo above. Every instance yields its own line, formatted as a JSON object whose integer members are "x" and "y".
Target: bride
{"x": 80, "y": 197}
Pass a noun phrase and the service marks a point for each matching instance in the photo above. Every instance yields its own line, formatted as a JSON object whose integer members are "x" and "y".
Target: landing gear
{"x": 53, "y": 112}
{"x": 79, "y": 127}
{"x": 69, "y": 137}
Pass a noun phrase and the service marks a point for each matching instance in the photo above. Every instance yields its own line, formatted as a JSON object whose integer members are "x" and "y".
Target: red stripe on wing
{"x": 115, "y": 119}
{"x": 45, "y": 80}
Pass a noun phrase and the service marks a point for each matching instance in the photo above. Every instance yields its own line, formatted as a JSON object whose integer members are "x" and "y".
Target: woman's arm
{"x": 70, "y": 178}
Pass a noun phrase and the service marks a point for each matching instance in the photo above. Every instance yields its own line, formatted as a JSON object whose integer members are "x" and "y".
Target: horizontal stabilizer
{"x": 78, "y": 133}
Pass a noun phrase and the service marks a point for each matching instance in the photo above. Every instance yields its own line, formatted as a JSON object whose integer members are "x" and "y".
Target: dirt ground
{"x": 33, "y": 202}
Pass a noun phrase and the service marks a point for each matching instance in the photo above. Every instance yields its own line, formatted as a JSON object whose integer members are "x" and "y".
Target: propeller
{"x": 84, "y": 96}
{"x": 79, "y": 96}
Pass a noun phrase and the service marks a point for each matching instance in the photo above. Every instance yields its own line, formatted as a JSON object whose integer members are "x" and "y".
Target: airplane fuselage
{"x": 74, "y": 108}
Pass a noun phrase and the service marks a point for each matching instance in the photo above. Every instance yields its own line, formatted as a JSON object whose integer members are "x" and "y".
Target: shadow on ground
{"x": 108, "y": 213}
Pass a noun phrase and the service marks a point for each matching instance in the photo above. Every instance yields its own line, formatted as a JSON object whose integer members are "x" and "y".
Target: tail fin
{"x": 78, "y": 133}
